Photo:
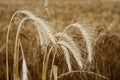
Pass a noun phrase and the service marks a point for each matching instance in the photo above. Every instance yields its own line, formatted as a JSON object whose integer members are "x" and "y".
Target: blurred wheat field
{"x": 73, "y": 40}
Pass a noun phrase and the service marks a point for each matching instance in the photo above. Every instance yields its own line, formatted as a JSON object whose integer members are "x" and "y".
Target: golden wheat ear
{"x": 86, "y": 36}
{"x": 68, "y": 45}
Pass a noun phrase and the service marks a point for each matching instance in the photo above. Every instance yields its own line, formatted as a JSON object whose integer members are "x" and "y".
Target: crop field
{"x": 59, "y": 39}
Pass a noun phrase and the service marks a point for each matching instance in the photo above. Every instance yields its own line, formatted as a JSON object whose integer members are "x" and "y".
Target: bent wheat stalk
{"x": 15, "y": 66}
{"x": 39, "y": 21}
{"x": 65, "y": 74}
{"x": 7, "y": 40}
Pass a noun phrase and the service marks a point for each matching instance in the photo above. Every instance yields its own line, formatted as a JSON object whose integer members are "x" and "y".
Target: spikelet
{"x": 67, "y": 57}
{"x": 75, "y": 54}
{"x": 24, "y": 65}
{"x": 73, "y": 45}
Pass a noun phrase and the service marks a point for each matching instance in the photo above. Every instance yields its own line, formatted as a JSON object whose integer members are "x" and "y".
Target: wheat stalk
{"x": 3, "y": 46}
{"x": 45, "y": 63}
{"x": 55, "y": 69}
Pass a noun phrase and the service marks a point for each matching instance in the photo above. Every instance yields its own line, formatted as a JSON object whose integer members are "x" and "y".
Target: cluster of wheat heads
{"x": 55, "y": 48}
